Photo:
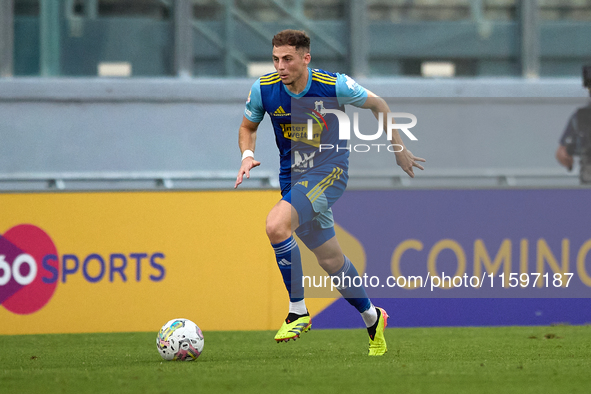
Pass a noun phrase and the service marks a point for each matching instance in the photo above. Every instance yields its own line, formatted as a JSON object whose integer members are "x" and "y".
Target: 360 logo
{"x": 22, "y": 289}
{"x": 30, "y": 268}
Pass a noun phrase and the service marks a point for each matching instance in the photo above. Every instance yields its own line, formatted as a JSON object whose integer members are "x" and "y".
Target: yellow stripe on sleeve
{"x": 270, "y": 82}
{"x": 324, "y": 76}
{"x": 323, "y": 81}
{"x": 270, "y": 76}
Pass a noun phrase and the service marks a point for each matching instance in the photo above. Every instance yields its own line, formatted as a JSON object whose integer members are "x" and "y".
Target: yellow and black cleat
{"x": 293, "y": 329}
{"x": 377, "y": 342}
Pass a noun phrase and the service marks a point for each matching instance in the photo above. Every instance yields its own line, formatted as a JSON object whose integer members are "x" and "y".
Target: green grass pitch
{"x": 496, "y": 360}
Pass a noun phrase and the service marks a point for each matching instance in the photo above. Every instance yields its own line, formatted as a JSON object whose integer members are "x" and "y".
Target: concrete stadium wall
{"x": 97, "y": 125}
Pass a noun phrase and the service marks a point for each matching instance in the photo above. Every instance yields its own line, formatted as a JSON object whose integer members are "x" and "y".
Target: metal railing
{"x": 223, "y": 180}
{"x": 160, "y": 180}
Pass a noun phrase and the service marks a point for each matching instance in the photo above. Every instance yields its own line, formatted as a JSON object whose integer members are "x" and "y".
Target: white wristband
{"x": 247, "y": 153}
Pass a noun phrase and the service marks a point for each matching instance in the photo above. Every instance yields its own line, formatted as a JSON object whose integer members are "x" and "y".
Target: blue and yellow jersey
{"x": 297, "y": 152}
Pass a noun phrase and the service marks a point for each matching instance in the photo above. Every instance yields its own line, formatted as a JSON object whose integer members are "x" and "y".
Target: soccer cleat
{"x": 377, "y": 341}
{"x": 291, "y": 329}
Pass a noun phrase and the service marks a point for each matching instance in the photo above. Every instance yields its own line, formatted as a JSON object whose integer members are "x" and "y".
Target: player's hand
{"x": 247, "y": 164}
{"x": 564, "y": 158}
{"x": 406, "y": 160}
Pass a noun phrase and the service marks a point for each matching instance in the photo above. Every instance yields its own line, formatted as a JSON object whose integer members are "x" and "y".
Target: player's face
{"x": 290, "y": 64}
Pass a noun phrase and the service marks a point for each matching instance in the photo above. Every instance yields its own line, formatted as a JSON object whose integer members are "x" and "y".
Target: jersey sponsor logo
{"x": 303, "y": 183}
{"x": 298, "y": 132}
{"x": 284, "y": 262}
{"x": 302, "y": 161}
{"x": 280, "y": 112}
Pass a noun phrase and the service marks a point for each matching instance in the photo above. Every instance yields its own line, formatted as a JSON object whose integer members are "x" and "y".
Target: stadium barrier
{"x": 130, "y": 261}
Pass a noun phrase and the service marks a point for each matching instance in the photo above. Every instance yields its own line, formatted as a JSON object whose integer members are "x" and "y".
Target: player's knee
{"x": 277, "y": 231}
{"x": 330, "y": 264}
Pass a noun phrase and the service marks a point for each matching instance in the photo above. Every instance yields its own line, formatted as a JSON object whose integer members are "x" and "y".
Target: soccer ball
{"x": 180, "y": 339}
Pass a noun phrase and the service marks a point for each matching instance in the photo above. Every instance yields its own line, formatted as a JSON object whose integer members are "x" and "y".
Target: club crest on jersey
{"x": 319, "y": 107}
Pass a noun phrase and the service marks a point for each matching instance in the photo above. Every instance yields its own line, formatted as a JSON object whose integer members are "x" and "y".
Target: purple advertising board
{"x": 470, "y": 257}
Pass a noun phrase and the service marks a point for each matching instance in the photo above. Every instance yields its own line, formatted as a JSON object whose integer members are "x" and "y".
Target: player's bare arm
{"x": 564, "y": 158}
{"x": 404, "y": 158}
{"x": 247, "y": 135}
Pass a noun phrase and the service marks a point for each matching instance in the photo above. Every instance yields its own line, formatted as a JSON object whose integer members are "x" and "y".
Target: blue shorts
{"x": 312, "y": 194}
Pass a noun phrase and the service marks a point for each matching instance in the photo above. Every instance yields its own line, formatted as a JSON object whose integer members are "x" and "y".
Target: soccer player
{"x": 311, "y": 180}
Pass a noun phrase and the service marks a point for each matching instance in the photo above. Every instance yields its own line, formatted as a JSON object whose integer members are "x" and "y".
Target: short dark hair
{"x": 295, "y": 38}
